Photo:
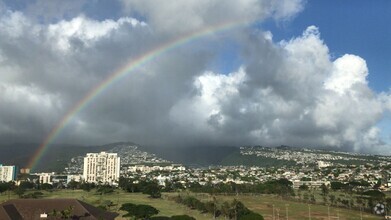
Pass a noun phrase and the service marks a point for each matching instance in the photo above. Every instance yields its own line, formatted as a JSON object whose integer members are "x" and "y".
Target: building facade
{"x": 101, "y": 168}
{"x": 7, "y": 173}
{"x": 45, "y": 178}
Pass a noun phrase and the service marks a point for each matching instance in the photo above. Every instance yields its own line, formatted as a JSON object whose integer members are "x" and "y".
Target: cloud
{"x": 85, "y": 30}
{"x": 62, "y": 61}
{"x": 290, "y": 92}
{"x": 348, "y": 71}
{"x": 26, "y": 112}
{"x": 54, "y": 10}
{"x": 184, "y": 16}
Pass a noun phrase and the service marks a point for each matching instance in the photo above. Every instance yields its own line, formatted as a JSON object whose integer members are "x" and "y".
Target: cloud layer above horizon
{"x": 292, "y": 92}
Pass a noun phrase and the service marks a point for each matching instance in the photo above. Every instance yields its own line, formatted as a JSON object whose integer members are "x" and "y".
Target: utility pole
{"x": 309, "y": 211}
{"x": 273, "y": 213}
{"x": 286, "y": 211}
{"x": 214, "y": 207}
{"x": 117, "y": 199}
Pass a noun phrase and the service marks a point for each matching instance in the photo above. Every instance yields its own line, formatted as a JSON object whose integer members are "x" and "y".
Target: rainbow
{"x": 119, "y": 74}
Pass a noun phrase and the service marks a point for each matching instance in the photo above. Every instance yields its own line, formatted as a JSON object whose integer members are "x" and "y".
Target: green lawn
{"x": 164, "y": 205}
{"x": 262, "y": 204}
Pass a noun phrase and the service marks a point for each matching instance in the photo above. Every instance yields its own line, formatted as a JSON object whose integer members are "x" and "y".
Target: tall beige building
{"x": 101, "y": 168}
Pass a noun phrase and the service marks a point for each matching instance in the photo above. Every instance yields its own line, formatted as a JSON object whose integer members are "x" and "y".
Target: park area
{"x": 268, "y": 206}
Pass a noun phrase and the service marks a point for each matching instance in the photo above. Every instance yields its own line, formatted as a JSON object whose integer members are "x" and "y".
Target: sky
{"x": 217, "y": 73}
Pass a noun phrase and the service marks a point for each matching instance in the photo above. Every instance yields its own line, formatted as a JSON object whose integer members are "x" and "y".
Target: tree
{"x": 285, "y": 182}
{"x": 303, "y": 187}
{"x": 73, "y": 184}
{"x": 377, "y": 185}
{"x": 139, "y": 211}
{"x": 177, "y": 185}
{"x": 63, "y": 214}
{"x": 210, "y": 207}
{"x": 182, "y": 217}
{"x": 306, "y": 197}
{"x": 313, "y": 200}
{"x": 299, "y": 195}
{"x": 106, "y": 205}
{"x": 105, "y": 189}
{"x": 46, "y": 186}
{"x": 160, "y": 218}
{"x": 26, "y": 185}
{"x": 325, "y": 189}
{"x": 251, "y": 216}
{"x": 226, "y": 209}
{"x": 337, "y": 185}
{"x": 375, "y": 194}
{"x": 239, "y": 209}
{"x": 153, "y": 190}
{"x": 3, "y": 187}
{"x": 332, "y": 198}
{"x": 87, "y": 186}
{"x": 19, "y": 191}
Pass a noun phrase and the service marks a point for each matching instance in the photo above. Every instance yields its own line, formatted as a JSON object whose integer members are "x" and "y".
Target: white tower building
{"x": 101, "y": 168}
{"x": 7, "y": 173}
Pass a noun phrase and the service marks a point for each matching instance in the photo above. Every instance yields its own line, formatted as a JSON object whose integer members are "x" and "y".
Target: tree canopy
{"x": 139, "y": 211}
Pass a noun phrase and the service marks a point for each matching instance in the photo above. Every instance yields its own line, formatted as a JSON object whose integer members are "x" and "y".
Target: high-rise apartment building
{"x": 102, "y": 168}
{"x": 7, "y": 173}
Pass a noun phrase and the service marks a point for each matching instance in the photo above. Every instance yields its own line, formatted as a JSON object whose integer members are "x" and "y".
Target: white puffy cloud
{"x": 205, "y": 106}
{"x": 347, "y": 71}
{"x": 183, "y": 16}
{"x": 292, "y": 93}
{"x": 85, "y": 30}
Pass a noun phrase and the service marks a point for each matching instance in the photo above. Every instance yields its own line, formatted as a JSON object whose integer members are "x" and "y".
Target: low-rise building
{"x": 310, "y": 184}
{"x": 77, "y": 178}
{"x": 323, "y": 164}
{"x": 45, "y": 178}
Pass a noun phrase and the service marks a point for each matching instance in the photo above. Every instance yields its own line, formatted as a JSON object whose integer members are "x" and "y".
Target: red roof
{"x": 16, "y": 209}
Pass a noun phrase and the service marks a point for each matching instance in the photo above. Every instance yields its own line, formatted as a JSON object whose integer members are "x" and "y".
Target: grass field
{"x": 164, "y": 205}
{"x": 262, "y": 204}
